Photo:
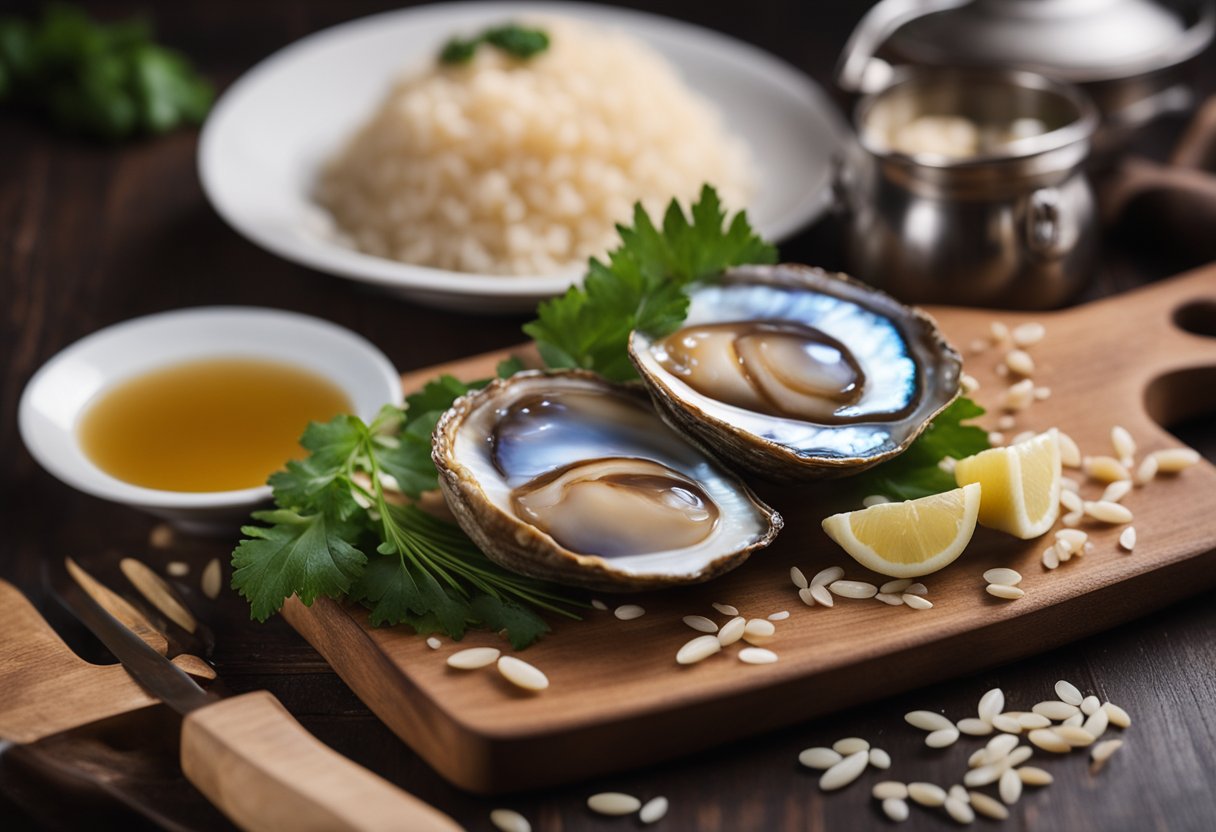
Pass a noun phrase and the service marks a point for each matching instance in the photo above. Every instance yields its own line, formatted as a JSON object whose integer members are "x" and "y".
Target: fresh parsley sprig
{"x": 916, "y": 472}
{"x": 517, "y": 41}
{"x": 642, "y": 286}
{"x": 338, "y": 530}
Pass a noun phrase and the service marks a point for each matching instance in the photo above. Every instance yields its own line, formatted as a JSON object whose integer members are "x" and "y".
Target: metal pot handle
{"x": 1044, "y": 230}
{"x": 858, "y": 70}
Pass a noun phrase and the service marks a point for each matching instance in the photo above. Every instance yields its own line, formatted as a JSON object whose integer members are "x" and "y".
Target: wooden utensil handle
{"x": 262, "y": 769}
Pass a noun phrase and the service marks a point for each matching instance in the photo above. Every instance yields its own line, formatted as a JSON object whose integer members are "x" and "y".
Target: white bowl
{"x": 60, "y": 391}
{"x": 267, "y": 136}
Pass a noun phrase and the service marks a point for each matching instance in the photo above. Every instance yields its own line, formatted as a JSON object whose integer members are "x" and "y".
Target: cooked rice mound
{"x": 504, "y": 166}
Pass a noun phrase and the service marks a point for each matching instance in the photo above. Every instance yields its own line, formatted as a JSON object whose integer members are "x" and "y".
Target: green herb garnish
{"x": 517, "y": 41}
{"x": 109, "y": 81}
{"x": 642, "y": 285}
{"x": 337, "y": 532}
{"x": 916, "y": 472}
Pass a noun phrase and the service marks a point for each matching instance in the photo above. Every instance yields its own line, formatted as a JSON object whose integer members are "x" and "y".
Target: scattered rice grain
{"x": 890, "y": 598}
{"x": 991, "y": 704}
{"x": 1010, "y": 787}
{"x": 1147, "y": 470}
{"x": 1069, "y": 693}
{"x": 725, "y": 609}
{"x": 1034, "y": 776}
{"x": 1074, "y": 735}
{"x": 807, "y": 597}
{"x": 1019, "y": 396}
{"x": 1113, "y": 513}
{"x": 1074, "y": 721}
{"x": 759, "y": 627}
{"x": 844, "y": 772}
{"x": 508, "y": 820}
{"x": 983, "y": 775}
{"x": 798, "y": 578}
{"x": 819, "y": 758}
{"x": 1118, "y": 717}
{"x": 853, "y": 589}
{"x": 1071, "y": 500}
{"x": 210, "y": 580}
{"x": 1116, "y": 491}
{"x": 1096, "y": 724}
{"x": 1090, "y": 705}
{"x": 1127, "y": 539}
{"x": 889, "y": 790}
{"x": 927, "y": 794}
{"x": 874, "y": 500}
{"x": 654, "y": 810}
{"x": 1055, "y": 709}
{"x": 943, "y": 738}
{"x": 521, "y": 674}
{"x": 1002, "y": 575}
{"x": 1051, "y": 557}
{"x": 1173, "y": 460}
{"x": 927, "y": 720}
{"x": 1103, "y": 752}
{"x": 917, "y": 589}
{"x": 822, "y": 595}
{"x": 895, "y": 809}
{"x": 996, "y": 438}
{"x": 1003, "y": 591}
{"x": 880, "y": 759}
{"x": 700, "y": 623}
{"x": 700, "y": 648}
{"x": 1042, "y": 394}
{"x": 1008, "y": 724}
{"x": 177, "y": 568}
{"x": 826, "y": 576}
{"x": 1123, "y": 443}
{"x": 757, "y": 655}
{"x": 900, "y": 585}
{"x": 1018, "y": 756}
{"x": 732, "y": 631}
{"x": 628, "y": 612}
{"x": 959, "y": 810}
{"x": 1020, "y": 362}
{"x": 615, "y": 804}
{"x": 1032, "y": 721}
{"x": 916, "y": 602}
{"x": 969, "y": 383}
{"x": 974, "y": 727}
{"x": 472, "y": 658}
{"x": 433, "y": 643}
{"x": 1104, "y": 469}
{"x": 988, "y": 806}
{"x": 598, "y": 604}
{"x": 1028, "y": 334}
{"x": 1049, "y": 740}
{"x": 1073, "y": 518}
{"x": 1000, "y": 746}
{"x": 1070, "y": 454}
{"x": 1006, "y": 422}
{"x": 850, "y": 745}
{"x": 999, "y": 332}
{"x": 779, "y": 616}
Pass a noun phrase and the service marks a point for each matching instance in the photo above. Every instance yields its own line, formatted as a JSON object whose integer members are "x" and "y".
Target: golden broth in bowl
{"x": 220, "y": 424}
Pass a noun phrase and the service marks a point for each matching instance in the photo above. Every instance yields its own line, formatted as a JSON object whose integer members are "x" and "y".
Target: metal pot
{"x": 1011, "y": 226}
{"x": 1131, "y": 56}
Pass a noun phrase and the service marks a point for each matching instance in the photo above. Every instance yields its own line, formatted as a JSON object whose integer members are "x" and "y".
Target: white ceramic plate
{"x": 61, "y": 390}
{"x": 268, "y": 134}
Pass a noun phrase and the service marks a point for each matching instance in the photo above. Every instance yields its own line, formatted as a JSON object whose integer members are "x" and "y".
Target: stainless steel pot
{"x": 1011, "y": 227}
{"x": 1131, "y": 56}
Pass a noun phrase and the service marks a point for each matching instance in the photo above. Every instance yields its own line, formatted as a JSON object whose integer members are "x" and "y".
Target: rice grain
{"x": 798, "y": 578}
{"x": 508, "y": 820}
{"x": 1112, "y": 513}
{"x": 757, "y": 655}
{"x": 654, "y": 810}
{"x": 974, "y": 727}
{"x": 521, "y": 674}
{"x": 987, "y": 806}
{"x": 991, "y": 704}
{"x": 472, "y": 658}
{"x": 1070, "y": 454}
{"x": 853, "y": 589}
{"x": 1069, "y": 693}
{"x": 928, "y": 721}
{"x": 826, "y": 576}
{"x": 628, "y": 612}
{"x": 822, "y": 595}
{"x": 699, "y": 649}
{"x": 1033, "y": 776}
{"x": 895, "y": 809}
{"x": 1104, "y": 469}
{"x": 959, "y": 810}
{"x": 880, "y": 759}
{"x": 844, "y": 772}
{"x": 916, "y": 602}
{"x": 1117, "y": 716}
{"x": 1010, "y": 787}
{"x": 615, "y": 804}
{"x": 1008, "y": 593}
{"x": 850, "y": 745}
{"x": 1049, "y": 740}
{"x": 1055, "y": 709}
{"x": 1127, "y": 539}
{"x": 1173, "y": 460}
{"x": 1001, "y": 575}
{"x": 927, "y": 794}
{"x": 725, "y": 609}
{"x": 732, "y": 631}
{"x": 889, "y": 790}
{"x": 942, "y": 738}
{"x": 700, "y": 623}
{"x": 819, "y": 757}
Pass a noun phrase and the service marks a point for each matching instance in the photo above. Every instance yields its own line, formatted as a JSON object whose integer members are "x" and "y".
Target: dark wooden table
{"x": 91, "y": 235}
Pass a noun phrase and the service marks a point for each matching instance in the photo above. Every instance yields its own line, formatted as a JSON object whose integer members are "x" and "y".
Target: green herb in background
{"x": 517, "y": 41}
{"x": 642, "y": 285}
{"x": 337, "y": 532}
{"x": 109, "y": 81}
{"x": 916, "y": 473}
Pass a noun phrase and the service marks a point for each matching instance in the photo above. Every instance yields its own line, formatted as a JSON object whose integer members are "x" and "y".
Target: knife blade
{"x": 250, "y": 757}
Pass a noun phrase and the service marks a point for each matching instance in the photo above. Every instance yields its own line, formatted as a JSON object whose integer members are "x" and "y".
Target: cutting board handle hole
{"x": 1181, "y": 396}
{"x": 1197, "y": 317}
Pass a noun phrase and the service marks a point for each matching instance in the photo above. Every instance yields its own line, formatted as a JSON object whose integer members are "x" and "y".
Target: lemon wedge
{"x": 909, "y": 539}
{"x": 1021, "y": 484}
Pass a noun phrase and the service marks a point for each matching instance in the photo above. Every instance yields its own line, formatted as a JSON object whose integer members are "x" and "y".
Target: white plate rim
{"x": 71, "y": 466}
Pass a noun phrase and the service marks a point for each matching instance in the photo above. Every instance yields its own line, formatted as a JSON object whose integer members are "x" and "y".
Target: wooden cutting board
{"x": 618, "y": 699}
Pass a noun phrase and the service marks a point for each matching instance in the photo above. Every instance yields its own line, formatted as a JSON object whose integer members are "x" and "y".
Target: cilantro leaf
{"x": 304, "y": 555}
{"x": 915, "y": 473}
{"x": 642, "y": 285}
{"x": 521, "y": 624}
{"x": 509, "y": 367}
{"x": 517, "y": 41}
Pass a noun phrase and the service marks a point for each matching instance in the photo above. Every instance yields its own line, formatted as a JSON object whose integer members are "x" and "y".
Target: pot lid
{"x": 1077, "y": 39}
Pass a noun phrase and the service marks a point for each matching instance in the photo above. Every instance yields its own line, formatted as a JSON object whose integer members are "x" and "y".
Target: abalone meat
{"x": 795, "y": 373}
{"x": 571, "y": 478}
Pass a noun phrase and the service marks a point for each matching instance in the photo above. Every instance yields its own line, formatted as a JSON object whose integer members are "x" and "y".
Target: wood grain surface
{"x": 90, "y": 235}
{"x": 617, "y": 689}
